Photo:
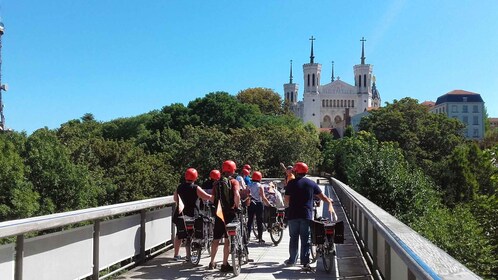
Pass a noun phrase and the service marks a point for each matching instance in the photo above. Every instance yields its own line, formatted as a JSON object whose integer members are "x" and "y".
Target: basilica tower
{"x": 311, "y": 100}
{"x": 363, "y": 80}
{"x": 291, "y": 90}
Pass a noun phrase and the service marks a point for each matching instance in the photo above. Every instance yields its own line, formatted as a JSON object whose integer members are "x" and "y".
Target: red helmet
{"x": 256, "y": 176}
{"x": 228, "y": 166}
{"x": 301, "y": 168}
{"x": 215, "y": 174}
{"x": 247, "y": 166}
{"x": 245, "y": 172}
{"x": 191, "y": 174}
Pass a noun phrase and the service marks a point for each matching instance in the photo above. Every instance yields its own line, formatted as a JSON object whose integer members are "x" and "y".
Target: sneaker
{"x": 289, "y": 263}
{"x": 178, "y": 258}
{"x": 226, "y": 268}
{"x": 211, "y": 266}
{"x": 307, "y": 267}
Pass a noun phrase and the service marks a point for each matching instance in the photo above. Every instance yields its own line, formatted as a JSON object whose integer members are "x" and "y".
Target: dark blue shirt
{"x": 301, "y": 191}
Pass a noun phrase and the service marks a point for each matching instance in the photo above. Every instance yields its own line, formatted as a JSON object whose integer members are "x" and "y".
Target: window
{"x": 365, "y": 80}
{"x": 292, "y": 96}
{"x": 465, "y": 120}
{"x": 352, "y": 103}
{"x": 465, "y": 109}
{"x": 360, "y": 80}
{"x": 308, "y": 79}
{"x": 476, "y": 133}
{"x": 476, "y": 120}
{"x": 475, "y": 109}
{"x": 323, "y": 103}
{"x": 313, "y": 79}
{"x": 349, "y": 103}
{"x": 454, "y": 109}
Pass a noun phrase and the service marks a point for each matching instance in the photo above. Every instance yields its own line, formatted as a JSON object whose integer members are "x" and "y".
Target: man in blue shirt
{"x": 299, "y": 196}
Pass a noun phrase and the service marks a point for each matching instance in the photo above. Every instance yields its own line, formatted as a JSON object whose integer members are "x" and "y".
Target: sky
{"x": 121, "y": 58}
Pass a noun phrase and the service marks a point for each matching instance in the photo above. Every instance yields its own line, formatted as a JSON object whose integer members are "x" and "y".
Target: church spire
{"x": 290, "y": 77}
{"x": 332, "y": 78}
{"x": 362, "y": 50}
{"x": 312, "y": 57}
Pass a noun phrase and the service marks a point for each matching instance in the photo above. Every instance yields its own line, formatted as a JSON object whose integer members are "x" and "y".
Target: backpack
{"x": 224, "y": 193}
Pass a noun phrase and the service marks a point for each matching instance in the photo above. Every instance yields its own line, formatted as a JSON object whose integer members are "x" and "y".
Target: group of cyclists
{"x": 230, "y": 194}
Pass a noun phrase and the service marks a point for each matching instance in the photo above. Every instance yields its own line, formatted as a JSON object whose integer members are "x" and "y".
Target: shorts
{"x": 181, "y": 232}
{"x": 219, "y": 230}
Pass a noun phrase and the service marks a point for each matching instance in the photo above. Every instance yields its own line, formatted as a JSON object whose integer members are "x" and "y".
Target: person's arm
{"x": 283, "y": 167}
{"x": 236, "y": 194}
{"x": 175, "y": 197}
{"x": 286, "y": 200}
{"x": 203, "y": 195}
{"x": 333, "y": 215}
{"x": 263, "y": 196}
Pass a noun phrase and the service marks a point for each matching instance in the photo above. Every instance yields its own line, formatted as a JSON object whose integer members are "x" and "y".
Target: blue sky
{"x": 114, "y": 59}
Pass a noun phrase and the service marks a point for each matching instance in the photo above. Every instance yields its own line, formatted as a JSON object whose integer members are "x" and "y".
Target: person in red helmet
{"x": 186, "y": 196}
{"x": 256, "y": 207}
{"x": 214, "y": 176}
{"x": 247, "y": 166}
{"x": 226, "y": 194}
{"x": 299, "y": 196}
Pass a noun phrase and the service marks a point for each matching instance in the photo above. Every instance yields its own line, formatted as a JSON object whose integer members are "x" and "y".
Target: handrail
{"x": 17, "y": 227}
{"x": 422, "y": 258}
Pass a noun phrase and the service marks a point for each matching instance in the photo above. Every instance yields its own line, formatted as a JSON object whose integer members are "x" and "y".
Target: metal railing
{"x": 127, "y": 231}
{"x": 393, "y": 249}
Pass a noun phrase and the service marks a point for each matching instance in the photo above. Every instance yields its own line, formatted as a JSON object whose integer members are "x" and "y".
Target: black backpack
{"x": 224, "y": 193}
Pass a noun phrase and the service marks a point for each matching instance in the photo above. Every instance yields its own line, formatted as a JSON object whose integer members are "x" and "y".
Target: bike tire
{"x": 312, "y": 253}
{"x": 195, "y": 253}
{"x": 276, "y": 234}
{"x": 236, "y": 256}
{"x": 328, "y": 260}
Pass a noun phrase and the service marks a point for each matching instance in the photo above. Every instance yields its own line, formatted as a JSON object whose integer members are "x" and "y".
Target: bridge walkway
{"x": 268, "y": 261}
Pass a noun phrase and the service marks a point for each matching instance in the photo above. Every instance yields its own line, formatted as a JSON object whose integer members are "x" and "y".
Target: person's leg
{"x": 226, "y": 251}
{"x": 259, "y": 219}
{"x": 178, "y": 243}
{"x": 214, "y": 249}
{"x": 294, "y": 240}
{"x": 304, "y": 232}
{"x": 250, "y": 218}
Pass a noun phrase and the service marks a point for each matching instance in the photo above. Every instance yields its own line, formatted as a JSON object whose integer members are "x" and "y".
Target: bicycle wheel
{"x": 236, "y": 255}
{"x": 328, "y": 259}
{"x": 312, "y": 253}
{"x": 195, "y": 252}
{"x": 276, "y": 233}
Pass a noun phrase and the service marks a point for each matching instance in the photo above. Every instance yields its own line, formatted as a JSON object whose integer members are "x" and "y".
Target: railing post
{"x": 142, "y": 235}
{"x": 96, "y": 249}
{"x": 19, "y": 257}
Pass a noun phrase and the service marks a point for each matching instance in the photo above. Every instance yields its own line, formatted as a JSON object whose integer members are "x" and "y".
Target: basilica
{"x": 331, "y": 106}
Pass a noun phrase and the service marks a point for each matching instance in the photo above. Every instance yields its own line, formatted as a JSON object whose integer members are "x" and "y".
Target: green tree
{"x": 17, "y": 196}
{"x": 268, "y": 101}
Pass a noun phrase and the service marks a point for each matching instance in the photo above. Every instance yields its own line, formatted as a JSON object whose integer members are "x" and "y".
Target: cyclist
{"x": 246, "y": 175}
{"x": 299, "y": 196}
{"x": 186, "y": 196}
{"x": 256, "y": 206}
{"x": 226, "y": 194}
{"x": 207, "y": 186}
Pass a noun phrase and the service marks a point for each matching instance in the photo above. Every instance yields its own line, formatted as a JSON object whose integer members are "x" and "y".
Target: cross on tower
{"x": 312, "y": 57}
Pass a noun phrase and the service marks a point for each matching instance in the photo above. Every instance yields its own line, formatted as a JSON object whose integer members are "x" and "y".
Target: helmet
{"x": 301, "y": 168}
{"x": 256, "y": 176}
{"x": 245, "y": 172}
{"x": 228, "y": 166}
{"x": 215, "y": 174}
{"x": 247, "y": 166}
{"x": 191, "y": 174}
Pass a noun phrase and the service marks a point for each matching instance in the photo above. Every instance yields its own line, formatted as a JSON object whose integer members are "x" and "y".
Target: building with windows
{"x": 331, "y": 105}
{"x": 466, "y": 106}
{"x": 493, "y": 123}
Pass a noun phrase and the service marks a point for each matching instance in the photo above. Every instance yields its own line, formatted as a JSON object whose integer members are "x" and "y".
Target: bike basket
{"x": 339, "y": 232}
{"x": 317, "y": 232}
{"x": 199, "y": 228}
{"x": 232, "y": 229}
{"x": 270, "y": 213}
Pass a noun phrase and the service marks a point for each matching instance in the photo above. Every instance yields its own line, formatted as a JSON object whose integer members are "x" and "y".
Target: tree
{"x": 268, "y": 101}
{"x": 17, "y": 196}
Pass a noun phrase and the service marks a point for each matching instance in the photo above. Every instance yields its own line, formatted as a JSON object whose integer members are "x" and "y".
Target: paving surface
{"x": 268, "y": 262}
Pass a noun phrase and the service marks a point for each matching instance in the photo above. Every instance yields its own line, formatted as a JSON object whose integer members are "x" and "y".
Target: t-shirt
{"x": 188, "y": 193}
{"x": 254, "y": 187}
{"x": 301, "y": 191}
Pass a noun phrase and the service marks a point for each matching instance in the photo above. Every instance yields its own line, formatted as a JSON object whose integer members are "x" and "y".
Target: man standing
{"x": 299, "y": 196}
{"x": 226, "y": 194}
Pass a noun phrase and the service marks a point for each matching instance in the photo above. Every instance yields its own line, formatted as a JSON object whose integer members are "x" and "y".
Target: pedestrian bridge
{"x": 133, "y": 241}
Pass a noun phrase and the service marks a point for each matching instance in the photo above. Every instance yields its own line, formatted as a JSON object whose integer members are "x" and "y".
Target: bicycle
{"x": 238, "y": 247}
{"x": 189, "y": 223}
{"x": 203, "y": 236}
{"x": 322, "y": 231}
{"x": 274, "y": 224}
